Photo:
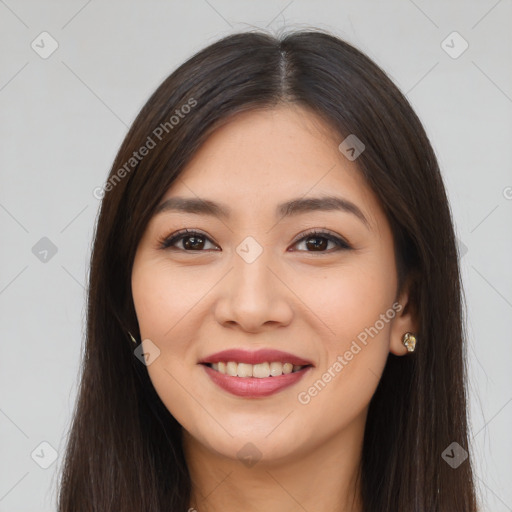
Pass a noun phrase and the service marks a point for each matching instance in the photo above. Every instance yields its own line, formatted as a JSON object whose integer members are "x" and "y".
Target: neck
{"x": 325, "y": 477}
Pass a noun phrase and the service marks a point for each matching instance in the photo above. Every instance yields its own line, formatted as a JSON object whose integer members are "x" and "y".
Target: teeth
{"x": 287, "y": 367}
{"x": 260, "y": 371}
{"x": 231, "y": 368}
{"x": 276, "y": 369}
{"x": 244, "y": 370}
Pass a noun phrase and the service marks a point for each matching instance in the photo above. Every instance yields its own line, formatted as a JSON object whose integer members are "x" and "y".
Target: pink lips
{"x": 260, "y": 356}
{"x": 252, "y": 387}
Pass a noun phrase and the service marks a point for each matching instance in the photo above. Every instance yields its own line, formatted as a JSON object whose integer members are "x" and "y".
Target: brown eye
{"x": 190, "y": 241}
{"x": 318, "y": 241}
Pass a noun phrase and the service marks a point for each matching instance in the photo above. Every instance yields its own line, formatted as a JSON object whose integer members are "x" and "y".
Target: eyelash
{"x": 168, "y": 241}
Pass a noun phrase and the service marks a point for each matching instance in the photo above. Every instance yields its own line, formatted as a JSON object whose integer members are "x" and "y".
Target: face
{"x": 302, "y": 296}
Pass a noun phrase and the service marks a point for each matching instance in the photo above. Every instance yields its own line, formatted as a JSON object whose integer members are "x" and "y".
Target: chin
{"x": 266, "y": 443}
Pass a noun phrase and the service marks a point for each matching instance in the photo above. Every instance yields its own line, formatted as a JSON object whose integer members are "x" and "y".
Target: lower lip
{"x": 252, "y": 387}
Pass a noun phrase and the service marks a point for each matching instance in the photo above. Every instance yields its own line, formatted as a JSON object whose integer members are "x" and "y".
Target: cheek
{"x": 356, "y": 305}
{"x": 352, "y": 299}
{"x": 163, "y": 297}
{"x": 162, "y": 300}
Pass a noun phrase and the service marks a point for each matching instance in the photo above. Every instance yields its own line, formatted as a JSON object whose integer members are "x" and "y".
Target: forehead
{"x": 262, "y": 158}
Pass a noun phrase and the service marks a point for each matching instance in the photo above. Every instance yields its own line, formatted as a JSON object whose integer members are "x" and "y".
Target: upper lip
{"x": 255, "y": 357}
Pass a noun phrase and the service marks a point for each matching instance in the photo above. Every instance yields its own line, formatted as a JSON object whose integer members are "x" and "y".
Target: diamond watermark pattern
{"x": 44, "y": 250}
{"x": 147, "y": 352}
{"x": 249, "y": 249}
{"x": 352, "y": 147}
{"x": 462, "y": 247}
{"x": 249, "y": 455}
{"x": 454, "y": 455}
{"x": 454, "y": 45}
{"x": 44, "y": 455}
{"x": 44, "y": 45}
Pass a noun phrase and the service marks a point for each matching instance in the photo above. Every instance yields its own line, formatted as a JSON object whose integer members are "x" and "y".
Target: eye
{"x": 317, "y": 241}
{"x": 193, "y": 240}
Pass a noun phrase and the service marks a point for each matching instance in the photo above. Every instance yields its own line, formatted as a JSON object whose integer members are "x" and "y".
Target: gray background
{"x": 64, "y": 116}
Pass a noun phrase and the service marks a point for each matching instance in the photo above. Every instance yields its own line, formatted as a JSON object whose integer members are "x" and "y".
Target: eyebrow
{"x": 290, "y": 208}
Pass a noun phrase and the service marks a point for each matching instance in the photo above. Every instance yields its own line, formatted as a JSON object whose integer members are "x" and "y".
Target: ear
{"x": 406, "y": 320}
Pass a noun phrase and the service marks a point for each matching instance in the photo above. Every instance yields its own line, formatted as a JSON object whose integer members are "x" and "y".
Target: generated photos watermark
{"x": 156, "y": 136}
{"x": 342, "y": 360}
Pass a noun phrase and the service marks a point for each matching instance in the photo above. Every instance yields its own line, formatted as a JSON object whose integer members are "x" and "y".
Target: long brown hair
{"x": 124, "y": 449}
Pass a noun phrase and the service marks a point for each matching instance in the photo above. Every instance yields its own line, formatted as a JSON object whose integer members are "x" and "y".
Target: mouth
{"x": 255, "y": 374}
{"x": 257, "y": 371}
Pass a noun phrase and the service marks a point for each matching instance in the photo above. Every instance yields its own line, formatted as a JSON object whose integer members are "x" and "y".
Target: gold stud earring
{"x": 133, "y": 339}
{"x": 409, "y": 341}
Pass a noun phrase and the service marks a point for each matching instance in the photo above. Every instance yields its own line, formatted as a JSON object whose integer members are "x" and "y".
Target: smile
{"x": 258, "y": 371}
{"x": 255, "y": 374}
{"x": 251, "y": 386}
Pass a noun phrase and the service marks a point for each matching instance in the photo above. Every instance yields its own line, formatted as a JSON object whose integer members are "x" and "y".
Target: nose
{"x": 253, "y": 296}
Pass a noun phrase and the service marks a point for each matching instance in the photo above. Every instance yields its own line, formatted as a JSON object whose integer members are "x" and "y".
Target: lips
{"x": 254, "y": 387}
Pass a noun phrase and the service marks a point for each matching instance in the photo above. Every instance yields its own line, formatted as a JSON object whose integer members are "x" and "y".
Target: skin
{"x": 312, "y": 303}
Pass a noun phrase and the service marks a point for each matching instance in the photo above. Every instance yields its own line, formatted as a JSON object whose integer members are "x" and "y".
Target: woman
{"x": 274, "y": 314}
